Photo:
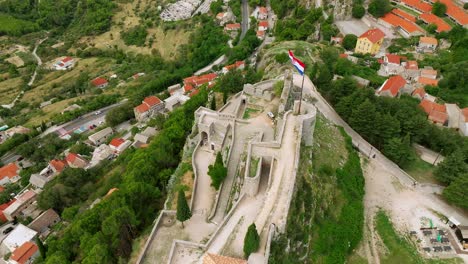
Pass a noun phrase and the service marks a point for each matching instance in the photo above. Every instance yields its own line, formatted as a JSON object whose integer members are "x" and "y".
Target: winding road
{"x": 245, "y": 19}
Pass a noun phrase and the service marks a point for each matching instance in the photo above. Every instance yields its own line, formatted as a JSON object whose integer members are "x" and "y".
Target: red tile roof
{"x": 412, "y": 65}
{"x": 464, "y": 112}
{"x": 235, "y": 65}
{"x": 188, "y": 87}
{"x": 232, "y": 26}
{"x": 23, "y": 253}
{"x": 194, "y": 92}
{"x": 152, "y": 100}
{"x": 99, "y": 81}
{"x": 260, "y": 33}
{"x": 116, "y": 142}
{"x": 457, "y": 13}
{"x": 263, "y": 23}
{"x": 59, "y": 165}
{"x": 198, "y": 80}
{"x": 419, "y": 91}
{"x": 421, "y": 6}
{"x": 404, "y": 15}
{"x": 71, "y": 157}
{"x": 397, "y": 21}
{"x": 142, "y": 108}
{"x": 373, "y": 35}
{"x": 67, "y": 59}
{"x": 3, "y": 207}
{"x": 436, "y": 112}
{"x": 263, "y": 10}
{"x": 433, "y": 19}
{"x": 393, "y": 85}
{"x": 220, "y": 15}
{"x": 393, "y": 58}
{"x": 343, "y": 55}
{"x": 10, "y": 170}
{"x": 428, "y": 40}
{"x": 427, "y": 81}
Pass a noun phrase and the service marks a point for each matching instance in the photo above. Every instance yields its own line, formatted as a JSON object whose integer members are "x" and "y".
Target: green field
{"x": 421, "y": 171}
{"x": 15, "y": 27}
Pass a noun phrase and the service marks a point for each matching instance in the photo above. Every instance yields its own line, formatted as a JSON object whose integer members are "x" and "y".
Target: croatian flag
{"x": 300, "y": 66}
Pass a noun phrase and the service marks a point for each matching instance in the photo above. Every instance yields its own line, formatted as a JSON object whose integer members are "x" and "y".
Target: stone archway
{"x": 204, "y": 138}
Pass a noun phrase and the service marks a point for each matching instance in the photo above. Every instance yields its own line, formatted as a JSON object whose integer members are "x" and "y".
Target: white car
{"x": 271, "y": 115}
{"x": 98, "y": 113}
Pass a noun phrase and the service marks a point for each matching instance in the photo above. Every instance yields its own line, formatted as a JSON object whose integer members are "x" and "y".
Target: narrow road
{"x": 38, "y": 59}
{"x": 245, "y": 19}
{"x": 218, "y": 61}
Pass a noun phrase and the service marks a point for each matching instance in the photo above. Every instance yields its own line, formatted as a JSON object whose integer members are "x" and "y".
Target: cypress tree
{"x": 42, "y": 248}
{"x": 251, "y": 240}
{"x": 183, "y": 210}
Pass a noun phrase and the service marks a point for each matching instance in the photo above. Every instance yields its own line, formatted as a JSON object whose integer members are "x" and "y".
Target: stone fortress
{"x": 261, "y": 153}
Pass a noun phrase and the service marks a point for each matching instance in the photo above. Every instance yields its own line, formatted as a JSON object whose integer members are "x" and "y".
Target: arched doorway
{"x": 204, "y": 138}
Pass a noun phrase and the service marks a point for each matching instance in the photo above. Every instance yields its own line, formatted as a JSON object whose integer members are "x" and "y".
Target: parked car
{"x": 8, "y": 230}
{"x": 98, "y": 113}
{"x": 271, "y": 115}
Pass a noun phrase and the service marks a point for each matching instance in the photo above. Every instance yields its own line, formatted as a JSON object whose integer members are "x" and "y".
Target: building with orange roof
{"x": 427, "y": 44}
{"x": 100, "y": 82}
{"x": 419, "y": 93}
{"x": 263, "y": 25}
{"x": 193, "y": 82}
{"x": 220, "y": 16}
{"x": 57, "y": 166}
{"x": 148, "y": 107}
{"x": 392, "y": 65}
{"x": 262, "y": 13}
{"x": 428, "y": 72}
{"x": 75, "y": 161}
{"x": 9, "y": 174}
{"x": 404, "y": 15}
{"x": 433, "y": 19}
{"x": 423, "y": 81}
{"x": 370, "y": 41}
{"x": 417, "y": 5}
{"x": 4, "y": 206}
{"x": 238, "y": 65}
{"x": 455, "y": 13}
{"x": 232, "y": 27}
{"x": 411, "y": 69}
{"x": 392, "y": 86}
{"x": 404, "y": 27}
{"x": 436, "y": 113}
{"x": 118, "y": 145}
{"x": 25, "y": 254}
{"x": 210, "y": 258}
{"x": 260, "y": 34}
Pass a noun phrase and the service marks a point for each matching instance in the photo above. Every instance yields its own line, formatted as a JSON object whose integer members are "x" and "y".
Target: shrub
{"x": 251, "y": 240}
{"x": 358, "y": 11}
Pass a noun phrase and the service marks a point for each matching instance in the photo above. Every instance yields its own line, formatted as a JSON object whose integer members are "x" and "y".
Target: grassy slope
{"x": 9, "y": 89}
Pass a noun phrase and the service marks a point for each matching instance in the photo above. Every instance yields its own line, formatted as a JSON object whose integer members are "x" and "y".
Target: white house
{"x": 118, "y": 145}
{"x": 463, "y": 123}
{"x": 64, "y": 64}
{"x": 20, "y": 235}
{"x": 9, "y": 174}
{"x": 100, "y": 137}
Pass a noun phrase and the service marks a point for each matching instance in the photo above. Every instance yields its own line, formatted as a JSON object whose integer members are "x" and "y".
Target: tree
{"x": 378, "y": 8}
{"x": 42, "y": 248}
{"x": 183, "y": 210}
{"x": 213, "y": 103}
{"x": 349, "y": 41}
{"x": 432, "y": 28}
{"x": 119, "y": 115}
{"x": 439, "y": 9}
{"x": 217, "y": 171}
{"x": 451, "y": 168}
{"x": 457, "y": 191}
{"x": 399, "y": 150}
{"x": 358, "y": 11}
{"x": 251, "y": 240}
{"x": 362, "y": 119}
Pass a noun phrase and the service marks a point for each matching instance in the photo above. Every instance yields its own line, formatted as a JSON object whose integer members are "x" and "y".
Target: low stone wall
{"x": 153, "y": 233}
{"x": 288, "y": 84}
{"x": 195, "y": 175}
{"x": 251, "y": 183}
{"x": 271, "y": 233}
{"x": 183, "y": 243}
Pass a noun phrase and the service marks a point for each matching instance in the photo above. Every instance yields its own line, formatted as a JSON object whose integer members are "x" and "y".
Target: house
{"x": 64, "y": 64}
{"x": 75, "y": 161}
{"x": 392, "y": 64}
{"x": 405, "y": 27}
{"x": 23, "y": 201}
{"x": 232, "y": 27}
{"x": 263, "y": 25}
{"x": 144, "y": 136}
{"x": 25, "y": 254}
{"x": 57, "y": 166}
{"x": 9, "y": 174}
{"x": 238, "y": 65}
{"x": 175, "y": 100}
{"x": 262, "y": 13}
{"x": 210, "y": 258}
{"x": 404, "y": 15}
{"x": 118, "y": 145}
{"x": 419, "y": 93}
{"x": 20, "y": 235}
{"x": 100, "y": 82}
{"x": 100, "y": 153}
{"x": 101, "y": 136}
{"x": 221, "y": 15}
{"x": 417, "y": 5}
{"x": 423, "y": 81}
{"x": 463, "y": 121}
{"x": 261, "y": 34}
{"x": 4, "y": 206}
{"x": 193, "y": 82}
{"x": 44, "y": 222}
{"x": 427, "y": 44}
{"x": 370, "y": 41}
{"x": 437, "y": 113}
{"x": 392, "y": 86}
{"x": 455, "y": 13}
{"x": 54, "y": 168}
{"x": 429, "y": 18}
{"x": 429, "y": 73}
{"x": 411, "y": 69}
{"x": 149, "y": 107}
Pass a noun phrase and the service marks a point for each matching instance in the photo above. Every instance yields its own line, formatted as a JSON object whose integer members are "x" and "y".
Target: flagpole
{"x": 302, "y": 88}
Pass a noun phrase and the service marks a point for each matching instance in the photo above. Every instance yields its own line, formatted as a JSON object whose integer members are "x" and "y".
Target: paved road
{"x": 218, "y": 61}
{"x": 245, "y": 18}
